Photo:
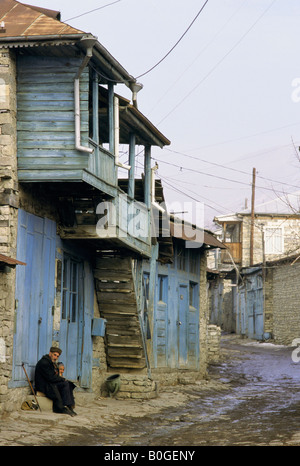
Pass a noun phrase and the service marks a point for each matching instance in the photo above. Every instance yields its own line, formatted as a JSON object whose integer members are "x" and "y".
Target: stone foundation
{"x": 137, "y": 387}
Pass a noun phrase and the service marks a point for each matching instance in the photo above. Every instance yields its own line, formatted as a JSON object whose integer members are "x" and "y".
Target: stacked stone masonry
{"x": 286, "y": 307}
{"x": 214, "y": 340}
{"x": 138, "y": 387}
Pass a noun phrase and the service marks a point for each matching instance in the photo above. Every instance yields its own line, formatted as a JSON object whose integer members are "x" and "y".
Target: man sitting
{"x": 55, "y": 387}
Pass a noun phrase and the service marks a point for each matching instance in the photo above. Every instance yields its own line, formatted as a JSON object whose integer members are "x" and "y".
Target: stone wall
{"x": 286, "y": 304}
{"x": 203, "y": 316}
{"x": 8, "y": 219}
{"x": 291, "y": 232}
{"x": 214, "y": 342}
{"x": 137, "y": 387}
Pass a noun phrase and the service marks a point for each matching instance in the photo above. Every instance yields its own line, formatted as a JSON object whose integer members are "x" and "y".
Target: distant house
{"x": 268, "y": 301}
{"x": 251, "y": 249}
{"x": 276, "y": 232}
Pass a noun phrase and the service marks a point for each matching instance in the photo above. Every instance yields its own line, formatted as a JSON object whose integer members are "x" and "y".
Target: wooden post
{"x": 95, "y": 107}
{"x": 111, "y": 119}
{"x": 131, "y": 187}
{"x": 252, "y": 218}
{"x": 95, "y": 136}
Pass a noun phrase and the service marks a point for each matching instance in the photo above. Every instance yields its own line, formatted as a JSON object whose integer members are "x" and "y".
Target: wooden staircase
{"x": 117, "y": 301}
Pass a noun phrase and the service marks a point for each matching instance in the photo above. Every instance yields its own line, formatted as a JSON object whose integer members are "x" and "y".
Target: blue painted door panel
{"x": 255, "y": 307}
{"x": 161, "y": 321}
{"x": 87, "y": 343}
{"x": 241, "y": 320}
{"x": 182, "y": 326}
{"x": 71, "y": 316}
{"x": 34, "y": 296}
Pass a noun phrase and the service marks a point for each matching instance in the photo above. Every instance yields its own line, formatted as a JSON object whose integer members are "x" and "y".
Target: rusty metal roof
{"x": 23, "y": 20}
{"x": 188, "y": 232}
{"x": 30, "y": 26}
{"x": 9, "y": 260}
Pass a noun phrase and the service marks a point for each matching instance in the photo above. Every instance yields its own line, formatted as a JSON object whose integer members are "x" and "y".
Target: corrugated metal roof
{"x": 31, "y": 26}
{"x": 24, "y": 20}
{"x": 9, "y": 260}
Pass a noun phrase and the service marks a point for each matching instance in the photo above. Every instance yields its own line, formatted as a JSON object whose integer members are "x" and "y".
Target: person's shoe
{"x": 68, "y": 411}
{"x": 72, "y": 410}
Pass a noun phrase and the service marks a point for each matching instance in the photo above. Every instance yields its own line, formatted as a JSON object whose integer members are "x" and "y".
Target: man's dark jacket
{"x": 46, "y": 378}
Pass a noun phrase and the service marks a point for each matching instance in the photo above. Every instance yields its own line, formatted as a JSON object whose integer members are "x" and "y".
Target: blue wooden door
{"x": 71, "y": 317}
{"x": 34, "y": 295}
{"x": 241, "y": 318}
{"x": 87, "y": 343}
{"x": 255, "y": 314}
{"x": 182, "y": 326}
{"x": 255, "y": 307}
{"x": 161, "y": 321}
{"x": 193, "y": 326}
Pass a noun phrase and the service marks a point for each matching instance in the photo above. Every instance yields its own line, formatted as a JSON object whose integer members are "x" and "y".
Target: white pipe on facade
{"x": 89, "y": 53}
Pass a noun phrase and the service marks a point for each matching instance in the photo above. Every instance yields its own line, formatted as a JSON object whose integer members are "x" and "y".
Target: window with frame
{"x": 70, "y": 290}
{"x": 273, "y": 240}
{"x": 193, "y": 294}
{"x": 162, "y": 288}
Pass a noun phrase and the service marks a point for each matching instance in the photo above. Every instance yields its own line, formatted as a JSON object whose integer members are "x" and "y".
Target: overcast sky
{"x": 227, "y": 96}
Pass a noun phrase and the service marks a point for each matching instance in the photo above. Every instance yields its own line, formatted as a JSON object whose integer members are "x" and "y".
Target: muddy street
{"x": 259, "y": 405}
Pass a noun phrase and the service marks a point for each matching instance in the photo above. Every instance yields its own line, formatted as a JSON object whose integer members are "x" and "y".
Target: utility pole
{"x": 252, "y": 217}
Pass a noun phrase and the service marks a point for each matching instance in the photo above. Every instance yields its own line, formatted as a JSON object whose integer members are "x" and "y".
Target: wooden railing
{"x": 102, "y": 164}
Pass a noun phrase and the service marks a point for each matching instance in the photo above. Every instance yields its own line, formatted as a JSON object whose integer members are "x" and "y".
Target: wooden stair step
{"x": 130, "y": 364}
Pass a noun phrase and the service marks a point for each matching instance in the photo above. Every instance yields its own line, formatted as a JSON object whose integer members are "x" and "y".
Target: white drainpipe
{"x": 88, "y": 43}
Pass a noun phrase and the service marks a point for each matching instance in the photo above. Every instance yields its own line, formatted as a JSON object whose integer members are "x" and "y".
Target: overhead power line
{"x": 218, "y": 63}
{"x": 209, "y": 174}
{"x": 232, "y": 169}
{"x": 92, "y": 11}
{"x": 175, "y": 45}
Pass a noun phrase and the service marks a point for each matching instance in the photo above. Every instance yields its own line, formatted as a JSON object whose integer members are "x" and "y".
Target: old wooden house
{"x": 271, "y": 234}
{"x": 81, "y": 235}
{"x": 62, "y": 211}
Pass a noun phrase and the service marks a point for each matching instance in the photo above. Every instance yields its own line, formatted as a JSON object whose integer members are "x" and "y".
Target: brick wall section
{"x": 286, "y": 303}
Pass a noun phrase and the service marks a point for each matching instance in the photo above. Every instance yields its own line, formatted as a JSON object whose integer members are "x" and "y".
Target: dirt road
{"x": 252, "y": 398}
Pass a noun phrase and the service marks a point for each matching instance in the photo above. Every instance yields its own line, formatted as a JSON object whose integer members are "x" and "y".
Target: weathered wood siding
{"x": 45, "y": 104}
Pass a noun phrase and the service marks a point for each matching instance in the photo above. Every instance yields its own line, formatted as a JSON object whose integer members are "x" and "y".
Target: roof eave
{"x": 100, "y": 53}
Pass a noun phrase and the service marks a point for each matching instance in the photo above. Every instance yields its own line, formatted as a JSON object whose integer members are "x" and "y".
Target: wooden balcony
{"x": 234, "y": 250}
{"x": 115, "y": 224}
